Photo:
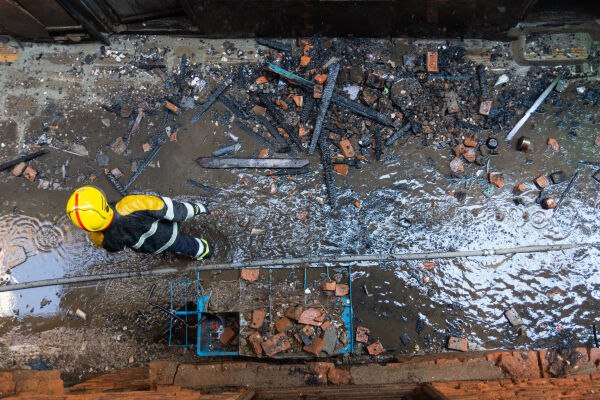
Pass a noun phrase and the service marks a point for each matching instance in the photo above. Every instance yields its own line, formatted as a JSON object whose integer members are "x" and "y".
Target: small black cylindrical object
{"x": 492, "y": 143}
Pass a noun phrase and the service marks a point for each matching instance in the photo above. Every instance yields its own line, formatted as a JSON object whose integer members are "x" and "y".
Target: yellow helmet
{"x": 89, "y": 210}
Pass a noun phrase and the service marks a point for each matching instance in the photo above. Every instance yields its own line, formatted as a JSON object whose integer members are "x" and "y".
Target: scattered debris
{"x": 81, "y": 314}
{"x": 375, "y": 349}
{"x": 513, "y": 317}
{"x": 455, "y": 343}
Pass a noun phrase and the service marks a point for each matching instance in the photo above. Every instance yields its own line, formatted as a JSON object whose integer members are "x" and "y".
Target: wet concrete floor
{"x": 409, "y": 204}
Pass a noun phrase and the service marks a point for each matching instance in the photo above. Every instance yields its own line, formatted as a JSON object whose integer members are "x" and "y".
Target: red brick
{"x": 283, "y": 324}
{"x": 432, "y": 61}
{"x": 276, "y": 344}
{"x": 293, "y": 312}
{"x": 172, "y": 107}
{"x": 339, "y": 376}
{"x": 18, "y": 169}
{"x": 459, "y": 149}
{"x": 496, "y": 179}
{"x": 362, "y": 334}
{"x": 326, "y": 325}
{"x": 317, "y": 91}
{"x": 553, "y": 144}
{"x": 485, "y": 107}
{"x": 320, "y": 78}
{"x": 375, "y": 348}
{"x": 146, "y": 147}
{"x": 455, "y": 343}
{"x": 346, "y": 148}
{"x": 255, "y": 340}
{"x": 329, "y": 286}
{"x": 227, "y": 335}
{"x": 30, "y": 174}
{"x": 519, "y": 189}
{"x": 341, "y": 290}
{"x": 258, "y": 316}
{"x": 317, "y": 372}
{"x": 541, "y": 181}
{"x": 312, "y": 316}
{"x": 250, "y": 275}
{"x": 520, "y": 364}
{"x": 470, "y": 154}
{"x": 470, "y": 142}
{"x": 7, "y": 383}
{"x": 594, "y": 355}
{"x": 258, "y": 110}
{"x": 315, "y": 347}
{"x": 456, "y": 165}
{"x": 341, "y": 169}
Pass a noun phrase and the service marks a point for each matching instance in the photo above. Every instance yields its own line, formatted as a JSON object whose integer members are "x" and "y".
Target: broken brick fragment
{"x": 339, "y": 376}
{"x": 30, "y": 174}
{"x": 548, "y": 203}
{"x": 553, "y": 144}
{"x": 261, "y": 79}
{"x": 375, "y": 349}
{"x": 301, "y": 215}
{"x": 375, "y": 81}
{"x": 146, "y": 147}
{"x": 329, "y": 286}
{"x": 496, "y": 179}
{"x": 432, "y": 61}
{"x": 470, "y": 154}
{"x": 308, "y": 330}
{"x": 485, "y": 107}
{"x": 258, "y": 110}
{"x": 19, "y": 168}
{"x": 283, "y": 324}
{"x": 325, "y": 325}
{"x": 362, "y": 334}
{"x": 255, "y": 340}
{"x": 455, "y": 343}
{"x": 357, "y": 204}
{"x": 172, "y": 107}
{"x": 346, "y": 148}
{"x": 264, "y": 153}
{"x": 519, "y": 189}
{"x": 299, "y": 100}
{"x": 368, "y": 96}
{"x": 258, "y": 317}
{"x": 276, "y": 344}
{"x": 250, "y": 275}
{"x": 173, "y": 137}
{"x": 116, "y": 172}
{"x": 317, "y": 372}
{"x": 597, "y": 141}
{"x": 227, "y": 336}
{"x": 459, "y": 149}
{"x": 320, "y": 78}
{"x": 315, "y": 347}
{"x": 470, "y": 142}
{"x": 304, "y": 60}
{"x": 541, "y": 181}
{"x": 282, "y": 104}
{"x": 341, "y": 290}
{"x": 317, "y": 91}
{"x": 294, "y": 312}
{"x": 341, "y": 169}
{"x": 312, "y": 316}
{"x": 456, "y": 165}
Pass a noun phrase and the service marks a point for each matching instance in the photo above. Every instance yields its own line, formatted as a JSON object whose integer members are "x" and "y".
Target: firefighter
{"x": 148, "y": 224}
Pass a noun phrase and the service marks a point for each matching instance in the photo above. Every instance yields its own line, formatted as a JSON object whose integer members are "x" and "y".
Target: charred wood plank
{"x": 280, "y": 120}
{"x": 116, "y": 184}
{"x": 255, "y": 135}
{"x": 199, "y": 185}
{"x": 309, "y": 105}
{"x": 327, "y": 93}
{"x": 378, "y": 143}
{"x": 327, "y": 170}
{"x": 274, "y": 44}
{"x": 397, "y": 135}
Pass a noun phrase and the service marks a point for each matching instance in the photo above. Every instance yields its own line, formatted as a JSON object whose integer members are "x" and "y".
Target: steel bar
{"x": 208, "y": 162}
{"x": 567, "y": 190}
{"x": 24, "y": 158}
{"x": 157, "y": 145}
{"x": 281, "y": 263}
{"x": 532, "y": 109}
{"x": 214, "y": 96}
{"x": 117, "y": 185}
{"x": 353, "y": 106}
{"x": 327, "y": 93}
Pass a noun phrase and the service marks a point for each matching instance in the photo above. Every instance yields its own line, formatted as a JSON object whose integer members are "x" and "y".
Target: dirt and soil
{"x": 410, "y": 200}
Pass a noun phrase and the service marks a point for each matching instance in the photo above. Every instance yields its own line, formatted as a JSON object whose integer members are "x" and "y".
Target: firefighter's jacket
{"x": 148, "y": 224}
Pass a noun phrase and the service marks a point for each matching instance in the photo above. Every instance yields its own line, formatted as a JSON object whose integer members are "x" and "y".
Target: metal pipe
{"x": 282, "y": 263}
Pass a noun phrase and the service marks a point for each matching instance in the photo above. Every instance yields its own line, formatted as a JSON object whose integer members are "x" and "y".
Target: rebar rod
{"x": 281, "y": 263}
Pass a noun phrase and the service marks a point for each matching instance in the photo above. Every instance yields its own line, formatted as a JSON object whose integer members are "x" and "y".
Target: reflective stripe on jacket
{"x": 144, "y": 223}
